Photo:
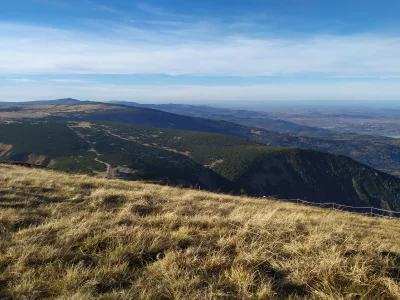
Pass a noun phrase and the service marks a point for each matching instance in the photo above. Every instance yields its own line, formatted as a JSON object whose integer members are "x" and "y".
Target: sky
{"x": 202, "y": 52}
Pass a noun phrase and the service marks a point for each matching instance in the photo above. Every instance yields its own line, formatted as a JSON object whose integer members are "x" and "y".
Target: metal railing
{"x": 365, "y": 211}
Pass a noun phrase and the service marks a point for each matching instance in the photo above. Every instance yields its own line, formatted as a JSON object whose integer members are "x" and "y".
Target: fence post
{"x": 371, "y": 211}
{"x": 333, "y": 205}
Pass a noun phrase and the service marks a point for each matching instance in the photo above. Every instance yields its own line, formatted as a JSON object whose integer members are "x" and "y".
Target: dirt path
{"x": 91, "y": 149}
{"x": 108, "y": 166}
{"x": 131, "y": 139}
{"x": 128, "y": 139}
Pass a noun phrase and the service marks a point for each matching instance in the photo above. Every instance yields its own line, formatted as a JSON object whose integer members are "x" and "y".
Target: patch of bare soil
{"x": 4, "y": 148}
{"x": 186, "y": 153}
{"x": 258, "y": 132}
{"x": 129, "y": 139}
{"x": 41, "y": 160}
{"x": 214, "y": 163}
{"x": 133, "y": 139}
{"x": 82, "y": 125}
{"x": 122, "y": 172}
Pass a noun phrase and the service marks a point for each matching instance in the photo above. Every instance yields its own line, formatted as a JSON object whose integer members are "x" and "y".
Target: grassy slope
{"x": 309, "y": 175}
{"x": 78, "y": 237}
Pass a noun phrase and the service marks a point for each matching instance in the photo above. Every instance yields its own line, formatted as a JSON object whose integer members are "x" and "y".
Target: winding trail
{"x": 107, "y": 165}
{"x": 131, "y": 139}
{"x": 91, "y": 149}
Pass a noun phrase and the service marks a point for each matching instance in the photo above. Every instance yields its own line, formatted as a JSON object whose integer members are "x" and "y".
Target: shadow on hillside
{"x": 281, "y": 286}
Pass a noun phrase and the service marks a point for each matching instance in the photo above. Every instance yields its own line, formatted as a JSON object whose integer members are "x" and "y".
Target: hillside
{"x": 243, "y": 117}
{"x": 58, "y": 145}
{"x": 79, "y": 237}
{"x": 377, "y": 152}
{"x": 263, "y": 170}
{"x": 209, "y": 161}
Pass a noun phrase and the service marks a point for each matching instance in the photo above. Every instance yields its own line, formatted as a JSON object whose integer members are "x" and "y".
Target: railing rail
{"x": 364, "y": 210}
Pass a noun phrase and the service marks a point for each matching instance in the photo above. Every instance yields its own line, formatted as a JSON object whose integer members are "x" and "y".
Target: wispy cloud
{"x": 22, "y": 80}
{"x": 46, "y": 80}
{"x": 56, "y": 3}
{"x": 63, "y": 80}
{"x": 159, "y": 22}
{"x": 157, "y": 10}
{"x": 109, "y": 9}
{"x": 132, "y": 50}
{"x": 84, "y": 5}
{"x": 217, "y": 94}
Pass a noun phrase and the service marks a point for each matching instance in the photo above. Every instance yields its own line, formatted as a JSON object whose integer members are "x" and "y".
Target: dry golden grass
{"x": 76, "y": 237}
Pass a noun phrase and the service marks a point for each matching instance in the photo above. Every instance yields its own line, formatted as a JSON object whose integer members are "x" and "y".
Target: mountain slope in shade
{"x": 211, "y": 161}
{"x": 377, "y": 152}
{"x": 242, "y": 117}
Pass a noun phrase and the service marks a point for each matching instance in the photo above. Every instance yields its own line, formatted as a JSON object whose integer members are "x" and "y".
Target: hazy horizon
{"x": 253, "y": 105}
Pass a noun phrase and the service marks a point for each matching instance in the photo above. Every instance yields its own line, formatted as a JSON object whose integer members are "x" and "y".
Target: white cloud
{"x": 38, "y": 50}
{"x": 62, "y": 80}
{"x": 55, "y": 80}
{"x": 377, "y": 91}
{"x": 198, "y": 49}
{"x": 108, "y": 9}
{"x": 157, "y": 10}
{"x": 22, "y": 80}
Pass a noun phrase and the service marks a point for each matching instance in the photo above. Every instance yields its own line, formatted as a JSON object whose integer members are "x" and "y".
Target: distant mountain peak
{"x": 66, "y": 101}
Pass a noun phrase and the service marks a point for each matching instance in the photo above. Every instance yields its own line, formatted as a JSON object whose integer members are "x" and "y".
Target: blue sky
{"x": 200, "y": 51}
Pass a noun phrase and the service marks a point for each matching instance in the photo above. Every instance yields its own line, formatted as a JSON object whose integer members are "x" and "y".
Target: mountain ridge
{"x": 62, "y": 101}
{"x": 378, "y": 152}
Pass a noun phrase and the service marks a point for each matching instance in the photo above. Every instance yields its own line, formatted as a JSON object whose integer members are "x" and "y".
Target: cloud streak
{"x": 206, "y": 94}
{"x": 158, "y": 11}
{"x": 38, "y": 50}
{"x": 62, "y": 80}
{"x": 22, "y": 80}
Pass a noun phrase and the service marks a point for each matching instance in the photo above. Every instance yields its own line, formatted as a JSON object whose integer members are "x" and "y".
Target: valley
{"x": 370, "y": 119}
